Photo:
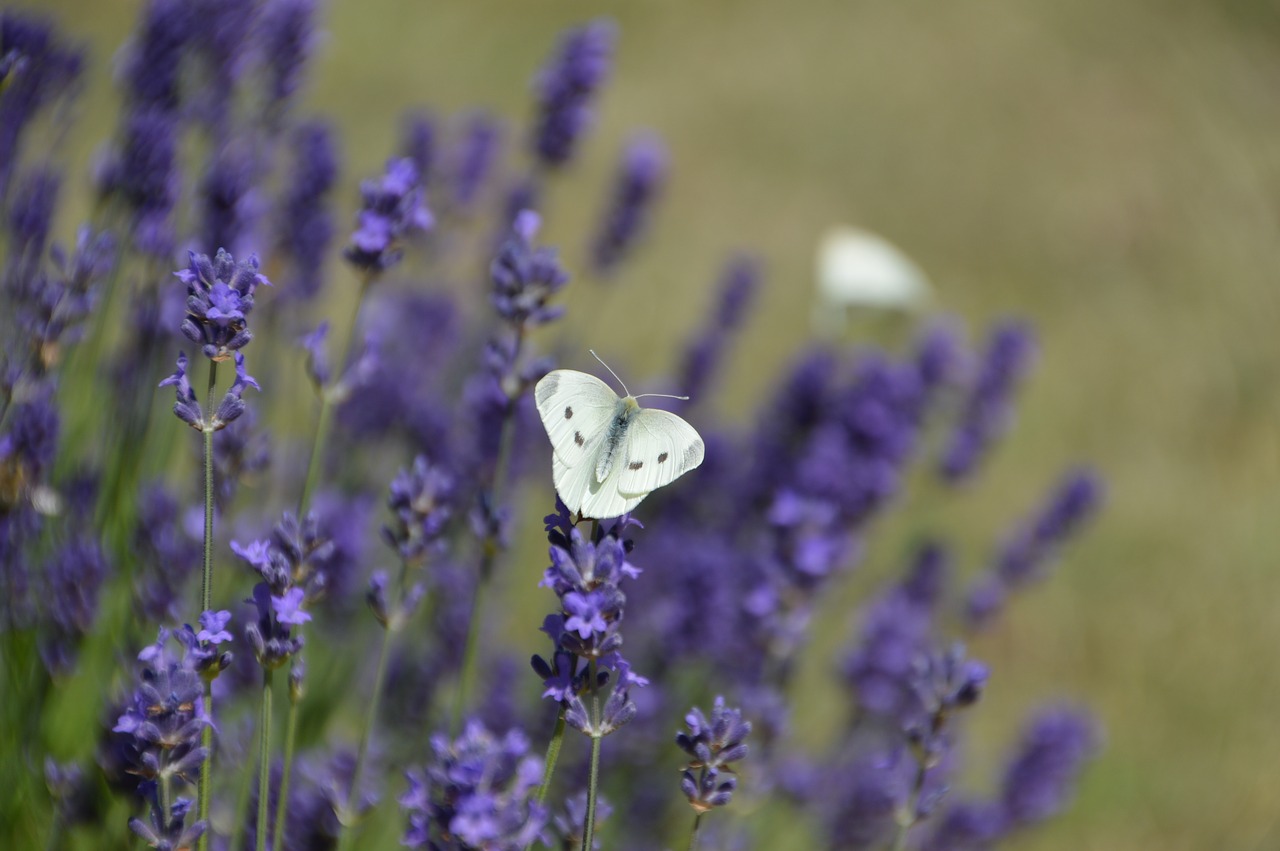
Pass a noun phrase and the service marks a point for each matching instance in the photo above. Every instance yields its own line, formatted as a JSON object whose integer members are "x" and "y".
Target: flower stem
{"x": 362, "y": 755}
{"x": 325, "y": 420}
{"x": 469, "y": 651}
{"x": 282, "y": 797}
{"x": 264, "y": 760}
{"x": 589, "y": 829}
{"x": 694, "y": 835}
{"x": 908, "y": 818}
{"x": 206, "y": 597}
{"x": 552, "y": 757}
{"x": 488, "y": 556}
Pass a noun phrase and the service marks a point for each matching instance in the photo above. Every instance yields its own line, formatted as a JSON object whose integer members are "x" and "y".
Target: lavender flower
{"x": 473, "y": 159}
{"x": 421, "y": 501}
{"x": 287, "y": 33}
{"x": 30, "y": 216}
{"x": 989, "y": 408}
{"x": 525, "y": 277}
{"x": 153, "y": 61}
{"x": 565, "y": 89}
{"x": 418, "y": 141}
{"x": 287, "y": 563}
{"x": 586, "y": 576}
{"x": 219, "y": 299}
{"x": 477, "y": 793}
{"x": 738, "y": 284}
{"x": 143, "y": 173}
{"x": 393, "y": 209}
{"x": 1028, "y": 551}
{"x": 41, "y": 69}
{"x": 636, "y": 188}
{"x": 228, "y": 197}
{"x": 73, "y": 579}
{"x": 160, "y": 731}
{"x": 967, "y": 826}
{"x": 714, "y": 744}
{"x": 1040, "y": 778}
{"x": 305, "y": 223}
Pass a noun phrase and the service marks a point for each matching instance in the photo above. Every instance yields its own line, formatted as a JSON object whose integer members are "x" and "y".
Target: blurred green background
{"x": 1111, "y": 171}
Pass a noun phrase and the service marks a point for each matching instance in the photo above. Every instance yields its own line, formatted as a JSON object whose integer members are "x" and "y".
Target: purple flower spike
{"x": 989, "y": 408}
{"x": 714, "y": 744}
{"x": 1042, "y": 775}
{"x": 635, "y": 191}
{"x": 566, "y": 87}
{"x": 393, "y": 210}
{"x": 219, "y": 298}
{"x": 477, "y": 792}
{"x": 305, "y": 222}
{"x": 1028, "y": 552}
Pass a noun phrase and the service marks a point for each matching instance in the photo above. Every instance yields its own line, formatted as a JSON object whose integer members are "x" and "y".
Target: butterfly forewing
{"x": 576, "y": 409}
{"x": 659, "y": 448}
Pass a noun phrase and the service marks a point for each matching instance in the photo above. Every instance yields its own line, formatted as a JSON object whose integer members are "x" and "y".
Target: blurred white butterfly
{"x": 857, "y": 268}
{"x": 609, "y": 452}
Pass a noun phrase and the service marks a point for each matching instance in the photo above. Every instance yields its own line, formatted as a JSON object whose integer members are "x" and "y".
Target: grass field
{"x": 1111, "y": 171}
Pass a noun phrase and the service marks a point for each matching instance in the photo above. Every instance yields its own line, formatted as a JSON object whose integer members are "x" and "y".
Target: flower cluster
{"x": 713, "y": 745}
{"x": 219, "y": 299}
{"x": 587, "y": 576}
{"x": 476, "y": 793}
{"x": 187, "y": 407}
{"x": 290, "y": 581}
{"x": 392, "y": 210}
{"x": 636, "y": 188}
{"x": 565, "y": 89}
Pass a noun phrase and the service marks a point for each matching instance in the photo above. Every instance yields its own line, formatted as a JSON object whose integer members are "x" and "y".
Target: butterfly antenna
{"x": 611, "y": 372}
{"x": 663, "y": 396}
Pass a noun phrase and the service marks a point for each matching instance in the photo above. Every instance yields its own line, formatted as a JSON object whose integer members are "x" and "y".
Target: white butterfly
{"x": 609, "y": 452}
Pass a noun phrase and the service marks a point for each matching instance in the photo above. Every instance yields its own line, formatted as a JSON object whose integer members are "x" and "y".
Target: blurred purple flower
{"x": 305, "y": 224}
{"x": 478, "y": 792}
{"x": 989, "y": 407}
{"x": 565, "y": 89}
{"x": 392, "y": 209}
{"x": 1042, "y": 775}
{"x": 635, "y": 191}
{"x": 714, "y": 745}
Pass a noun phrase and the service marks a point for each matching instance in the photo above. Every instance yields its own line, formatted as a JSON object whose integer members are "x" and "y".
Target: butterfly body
{"x": 609, "y": 452}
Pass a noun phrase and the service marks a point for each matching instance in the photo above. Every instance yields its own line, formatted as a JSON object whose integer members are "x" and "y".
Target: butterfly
{"x": 610, "y": 453}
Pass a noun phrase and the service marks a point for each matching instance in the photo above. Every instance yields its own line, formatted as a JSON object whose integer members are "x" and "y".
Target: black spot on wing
{"x": 577, "y": 438}
{"x": 635, "y": 465}
{"x": 662, "y": 457}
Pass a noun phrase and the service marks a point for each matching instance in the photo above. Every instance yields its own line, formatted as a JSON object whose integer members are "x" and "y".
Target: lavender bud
{"x": 636, "y": 188}
{"x": 714, "y": 744}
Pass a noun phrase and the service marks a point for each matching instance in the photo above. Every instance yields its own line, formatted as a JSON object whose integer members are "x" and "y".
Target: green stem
{"x": 166, "y": 795}
{"x": 694, "y": 836}
{"x": 469, "y": 651}
{"x": 264, "y": 759}
{"x": 384, "y": 655}
{"x": 907, "y": 819}
{"x": 488, "y": 556}
{"x": 206, "y": 597}
{"x": 317, "y": 452}
{"x": 589, "y": 830}
{"x": 282, "y": 797}
{"x": 325, "y": 420}
{"x": 553, "y": 756}
{"x": 54, "y": 842}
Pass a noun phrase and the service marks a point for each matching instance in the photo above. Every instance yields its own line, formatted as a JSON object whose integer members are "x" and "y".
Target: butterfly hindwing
{"x": 581, "y": 493}
{"x": 659, "y": 448}
{"x": 576, "y": 409}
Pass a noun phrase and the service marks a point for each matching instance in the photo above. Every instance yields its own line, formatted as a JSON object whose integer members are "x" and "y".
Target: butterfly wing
{"x": 583, "y": 494}
{"x": 659, "y": 448}
{"x": 576, "y": 409}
